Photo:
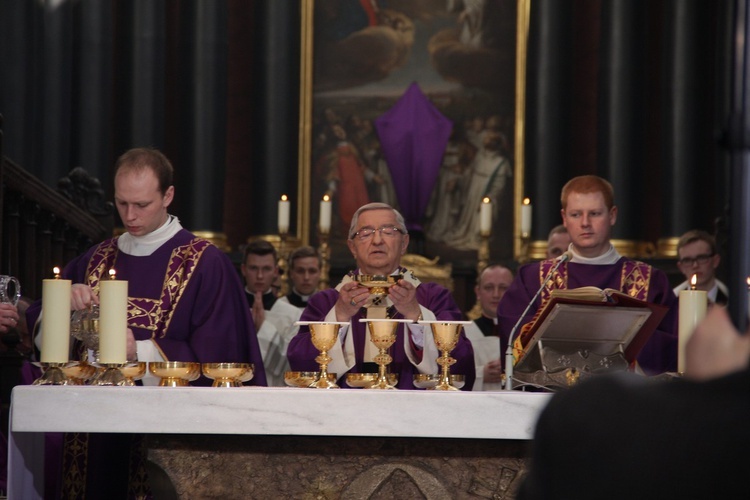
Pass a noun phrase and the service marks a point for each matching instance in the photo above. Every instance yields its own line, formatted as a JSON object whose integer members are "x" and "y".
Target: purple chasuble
{"x": 186, "y": 296}
{"x": 436, "y": 298}
{"x": 413, "y": 135}
{"x": 660, "y": 352}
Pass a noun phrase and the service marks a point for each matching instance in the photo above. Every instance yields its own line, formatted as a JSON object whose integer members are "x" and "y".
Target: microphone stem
{"x": 509, "y": 349}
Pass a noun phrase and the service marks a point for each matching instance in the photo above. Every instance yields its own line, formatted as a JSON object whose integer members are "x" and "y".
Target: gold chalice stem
{"x": 322, "y": 381}
{"x": 445, "y": 377}
{"x": 383, "y": 335}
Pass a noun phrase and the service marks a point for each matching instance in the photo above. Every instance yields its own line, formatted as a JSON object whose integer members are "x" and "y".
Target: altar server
{"x": 589, "y": 213}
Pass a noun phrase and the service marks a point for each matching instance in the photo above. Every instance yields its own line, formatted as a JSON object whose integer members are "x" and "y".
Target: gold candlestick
{"x": 483, "y": 254}
{"x": 525, "y": 242}
{"x": 53, "y": 374}
{"x": 325, "y": 260}
{"x": 283, "y": 267}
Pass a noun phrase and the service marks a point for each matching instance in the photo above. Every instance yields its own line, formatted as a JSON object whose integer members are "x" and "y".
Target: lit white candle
{"x": 747, "y": 280}
{"x": 693, "y": 306}
{"x": 325, "y": 214}
{"x": 56, "y": 319}
{"x": 283, "y": 214}
{"x": 113, "y": 320}
{"x": 485, "y": 216}
{"x": 526, "y": 216}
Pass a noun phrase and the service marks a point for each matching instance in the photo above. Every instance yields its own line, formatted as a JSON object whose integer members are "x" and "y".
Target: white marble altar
{"x": 257, "y": 411}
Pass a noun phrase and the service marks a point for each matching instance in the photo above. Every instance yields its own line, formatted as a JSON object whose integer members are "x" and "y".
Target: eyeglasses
{"x": 366, "y": 233}
{"x": 698, "y": 259}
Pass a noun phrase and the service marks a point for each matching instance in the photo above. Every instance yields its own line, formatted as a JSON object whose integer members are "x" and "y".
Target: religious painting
{"x": 414, "y": 103}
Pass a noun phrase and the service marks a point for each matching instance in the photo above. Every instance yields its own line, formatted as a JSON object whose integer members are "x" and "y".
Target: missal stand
{"x": 581, "y": 332}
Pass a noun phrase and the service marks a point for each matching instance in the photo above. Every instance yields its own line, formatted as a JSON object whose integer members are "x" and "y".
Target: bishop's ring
{"x": 353, "y": 302}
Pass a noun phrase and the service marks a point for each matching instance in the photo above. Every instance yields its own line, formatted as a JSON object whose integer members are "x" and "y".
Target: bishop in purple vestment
{"x": 377, "y": 240}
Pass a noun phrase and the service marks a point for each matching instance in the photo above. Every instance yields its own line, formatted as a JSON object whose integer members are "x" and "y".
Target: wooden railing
{"x": 41, "y": 227}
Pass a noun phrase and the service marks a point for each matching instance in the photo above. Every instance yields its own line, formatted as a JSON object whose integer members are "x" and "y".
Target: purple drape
{"x": 413, "y": 135}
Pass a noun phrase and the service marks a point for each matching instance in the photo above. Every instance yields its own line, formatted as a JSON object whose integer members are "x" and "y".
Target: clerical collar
{"x": 607, "y": 258}
{"x": 141, "y": 246}
{"x": 268, "y": 297}
{"x": 302, "y": 296}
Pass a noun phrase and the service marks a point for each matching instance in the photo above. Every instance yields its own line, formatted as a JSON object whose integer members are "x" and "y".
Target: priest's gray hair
{"x": 400, "y": 223}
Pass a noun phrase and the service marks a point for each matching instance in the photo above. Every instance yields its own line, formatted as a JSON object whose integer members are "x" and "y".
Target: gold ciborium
{"x": 378, "y": 283}
{"x": 228, "y": 374}
{"x": 175, "y": 373}
{"x": 79, "y": 373}
{"x": 446, "y": 335}
{"x": 323, "y": 335}
{"x": 383, "y": 335}
{"x": 430, "y": 381}
{"x": 367, "y": 380}
{"x": 305, "y": 379}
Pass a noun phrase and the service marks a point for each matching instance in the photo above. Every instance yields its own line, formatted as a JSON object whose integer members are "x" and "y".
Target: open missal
{"x": 587, "y": 328}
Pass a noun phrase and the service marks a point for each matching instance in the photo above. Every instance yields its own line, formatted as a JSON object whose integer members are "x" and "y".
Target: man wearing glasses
{"x": 377, "y": 239}
{"x": 697, "y": 255}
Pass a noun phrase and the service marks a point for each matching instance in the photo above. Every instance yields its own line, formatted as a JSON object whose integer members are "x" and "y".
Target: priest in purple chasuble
{"x": 185, "y": 303}
{"x": 588, "y": 212}
{"x": 377, "y": 240}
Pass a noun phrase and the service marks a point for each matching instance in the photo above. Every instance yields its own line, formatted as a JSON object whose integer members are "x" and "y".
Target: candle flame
{"x": 693, "y": 281}
{"x": 747, "y": 280}
{"x": 326, "y": 197}
{"x": 486, "y": 199}
{"x": 112, "y": 274}
{"x": 526, "y": 201}
{"x": 284, "y": 197}
{"x": 56, "y": 270}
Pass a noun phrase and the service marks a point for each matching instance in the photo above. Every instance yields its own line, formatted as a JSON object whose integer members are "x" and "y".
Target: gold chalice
{"x": 227, "y": 374}
{"x": 383, "y": 335}
{"x": 305, "y": 379}
{"x": 175, "y": 373}
{"x": 378, "y": 283}
{"x": 446, "y": 335}
{"x": 323, "y": 335}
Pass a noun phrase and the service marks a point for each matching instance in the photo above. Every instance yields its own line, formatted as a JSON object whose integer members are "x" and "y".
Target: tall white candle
{"x": 693, "y": 306}
{"x": 113, "y": 320}
{"x": 325, "y": 214}
{"x": 526, "y": 216}
{"x": 284, "y": 214}
{"x": 485, "y": 216}
{"x": 56, "y": 320}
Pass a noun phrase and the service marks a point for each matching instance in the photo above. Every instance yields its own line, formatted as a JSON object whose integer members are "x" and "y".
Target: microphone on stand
{"x": 509, "y": 350}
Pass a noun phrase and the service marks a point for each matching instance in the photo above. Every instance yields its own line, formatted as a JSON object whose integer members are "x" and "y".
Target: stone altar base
{"x": 304, "y": 467}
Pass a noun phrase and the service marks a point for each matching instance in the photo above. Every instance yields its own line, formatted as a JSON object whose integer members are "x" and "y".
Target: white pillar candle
{"x": 693, "y": 306}
{"x": 485, "y": 216}
{"x": 283, "y": 214}
{"x": 113, "y": 320}
{"x": 526, "y": 216}
{"x": 56, "y": 320}
{"x": 325, "y": 215}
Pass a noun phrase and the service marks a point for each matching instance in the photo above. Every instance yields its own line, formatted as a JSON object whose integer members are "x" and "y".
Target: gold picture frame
{"x": 307, "y": 207}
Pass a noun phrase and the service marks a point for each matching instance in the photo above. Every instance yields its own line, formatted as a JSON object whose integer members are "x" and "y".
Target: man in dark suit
{"x": 624, "y": 436}
{"x": 697, "y": 255}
